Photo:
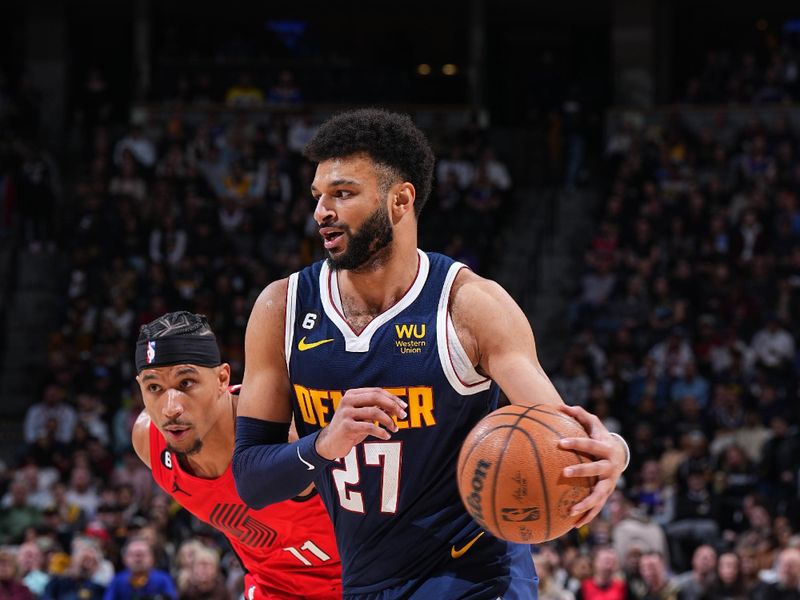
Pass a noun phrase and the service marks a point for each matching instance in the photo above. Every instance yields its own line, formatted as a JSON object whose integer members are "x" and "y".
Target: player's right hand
{"x": 361, "y": 412}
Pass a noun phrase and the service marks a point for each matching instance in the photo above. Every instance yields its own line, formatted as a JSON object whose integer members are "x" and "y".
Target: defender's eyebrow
{"x": 182, "y": 371}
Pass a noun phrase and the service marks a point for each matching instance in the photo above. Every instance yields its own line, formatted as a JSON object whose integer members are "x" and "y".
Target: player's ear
{"x": 224, "y": 375}
{"x": 403, "y": 198}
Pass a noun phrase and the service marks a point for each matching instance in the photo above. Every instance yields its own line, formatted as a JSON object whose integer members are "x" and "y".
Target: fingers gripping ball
{"x": 510, "y": 473}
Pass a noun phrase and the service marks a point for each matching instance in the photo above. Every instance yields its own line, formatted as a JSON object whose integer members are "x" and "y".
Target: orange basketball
{"x": 510, "y": 473}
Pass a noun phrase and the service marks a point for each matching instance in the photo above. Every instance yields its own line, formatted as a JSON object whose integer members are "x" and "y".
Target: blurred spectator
{"x": 673, "y": 354}
{"x": 138, "y": 145}
{"x": 78, "y": 580}
{"x": 697, "y": 583}
{"x": 727, "y": 583}
{"x": 604, "y": 584}
{"x": 30, "y": 562}
{"x": 205, "y": 581}
{"x": 652, "y": 495}
{"x": 774, "y": 347}
{"x": 82, "y": 492}
{"x": 285, "y": 90}
{"x": 632, "y": 531}
{"x": 691, "y": 383}
{"x": 787, "y": 585}
{"x": 53, "y": 408}
{"x": 140, "y": 579}
{"x": 655, "y": 583}
{"x": 11, "y": 588}
{"x": 18, "y": 516}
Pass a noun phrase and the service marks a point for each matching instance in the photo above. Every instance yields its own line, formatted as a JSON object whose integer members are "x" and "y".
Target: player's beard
{"x": 367, "y": 244}
{"x": 193, "y": 449}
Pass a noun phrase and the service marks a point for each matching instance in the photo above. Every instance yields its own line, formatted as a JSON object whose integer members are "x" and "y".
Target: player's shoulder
{"x": 273, "y": 296}
{"x": 140, "y": 437}
{"x": 472, "y": 293}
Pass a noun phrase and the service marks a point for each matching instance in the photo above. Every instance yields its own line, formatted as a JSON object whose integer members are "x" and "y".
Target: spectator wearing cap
{"x": 11, "y": 588}
{"x": 140, "y": 579}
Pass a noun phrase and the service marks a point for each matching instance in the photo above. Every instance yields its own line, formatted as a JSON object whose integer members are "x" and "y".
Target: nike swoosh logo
{"x": 304, "y": 461}
{"x": 463, "y": 550}
{"x": 303, "y": 346}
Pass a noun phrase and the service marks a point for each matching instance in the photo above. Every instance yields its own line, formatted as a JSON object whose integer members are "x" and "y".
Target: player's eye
{"x": 186, "y": 383}
{"x": 343, "y": 193}
{"x": 153, "y": 388}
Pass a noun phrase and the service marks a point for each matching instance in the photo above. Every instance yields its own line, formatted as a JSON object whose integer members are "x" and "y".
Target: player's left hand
{"x": 608, "y": 464}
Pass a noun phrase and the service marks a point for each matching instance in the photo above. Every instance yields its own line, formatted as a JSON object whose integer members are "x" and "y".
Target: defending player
{"x": 186, "y": 436}
{"x": 388, "y": 356}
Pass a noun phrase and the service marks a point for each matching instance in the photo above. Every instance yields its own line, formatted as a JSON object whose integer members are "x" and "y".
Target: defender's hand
{"x": 361, "y": 412}
{"x": 609, "y": 462}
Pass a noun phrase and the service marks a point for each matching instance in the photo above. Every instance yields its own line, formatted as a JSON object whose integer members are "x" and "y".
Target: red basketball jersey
{"x": 288, "y": 549}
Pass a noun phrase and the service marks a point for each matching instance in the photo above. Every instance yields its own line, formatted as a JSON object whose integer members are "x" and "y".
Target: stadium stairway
{"x": 559, "y": 260}
{"x": 31, "y": 291}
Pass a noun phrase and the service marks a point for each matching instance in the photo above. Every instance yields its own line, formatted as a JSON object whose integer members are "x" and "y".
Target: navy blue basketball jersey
{"x": 395, "y": 506}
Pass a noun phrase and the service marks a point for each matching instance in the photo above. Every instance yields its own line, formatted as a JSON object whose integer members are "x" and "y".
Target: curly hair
{"x": 390, "y": 139}
{"x": 182, "y": 323}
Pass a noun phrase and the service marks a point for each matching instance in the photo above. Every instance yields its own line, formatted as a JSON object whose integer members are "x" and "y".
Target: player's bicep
{"x": 504, "y": 345}
{"x": 265, "y": 388}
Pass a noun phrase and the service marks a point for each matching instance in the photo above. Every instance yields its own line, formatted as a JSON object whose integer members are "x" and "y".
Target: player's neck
{"x": 376, "y": 290}
{"x": 217, "y": 451}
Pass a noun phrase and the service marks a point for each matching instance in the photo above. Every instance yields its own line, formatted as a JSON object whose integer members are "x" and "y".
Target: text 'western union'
{"x": 405, "y": 344}
{"x": 317, "y": 406}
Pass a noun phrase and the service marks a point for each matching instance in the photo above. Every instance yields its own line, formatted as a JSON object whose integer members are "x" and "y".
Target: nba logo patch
{"x": 151, "y": 352}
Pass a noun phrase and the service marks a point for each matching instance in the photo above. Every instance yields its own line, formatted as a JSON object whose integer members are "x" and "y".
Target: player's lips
{"x": 330, "y": 236}
{"x": 176, "y": 433}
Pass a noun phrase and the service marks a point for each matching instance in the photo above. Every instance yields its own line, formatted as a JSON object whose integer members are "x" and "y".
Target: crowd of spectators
{"x": 164, "y": 215}
{"x": 684, "y": 339}
{"x": 748, "y": 77}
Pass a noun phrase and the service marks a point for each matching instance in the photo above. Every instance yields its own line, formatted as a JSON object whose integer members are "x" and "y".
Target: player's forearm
{"x": 266, "y": 469}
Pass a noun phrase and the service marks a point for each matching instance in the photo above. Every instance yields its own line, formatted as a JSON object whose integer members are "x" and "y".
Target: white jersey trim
{"x": 289, "y": 318}
{"x": 332, "y": 304}
{"x": 456, "y": 364}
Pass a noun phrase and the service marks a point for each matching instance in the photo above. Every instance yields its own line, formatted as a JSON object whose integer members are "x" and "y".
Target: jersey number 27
{"x": 376, "y": 454}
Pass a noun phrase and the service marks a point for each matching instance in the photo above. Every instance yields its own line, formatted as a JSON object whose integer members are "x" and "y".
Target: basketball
{"x": 510, "y": 473}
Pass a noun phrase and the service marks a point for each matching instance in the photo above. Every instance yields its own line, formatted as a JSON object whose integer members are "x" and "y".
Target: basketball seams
{"x": 497, "y": 474}
{"x": 520, "y": 417}
{"x": 491, "y": 434}
{"x": 542, "y": 481}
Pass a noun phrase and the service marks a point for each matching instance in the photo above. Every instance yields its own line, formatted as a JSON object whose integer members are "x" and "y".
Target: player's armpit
{"x": 498, "y": 338}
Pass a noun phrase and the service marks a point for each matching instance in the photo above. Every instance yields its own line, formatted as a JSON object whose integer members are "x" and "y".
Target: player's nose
{"x": 173, "y": 406}
{"x": 323, "y": 212}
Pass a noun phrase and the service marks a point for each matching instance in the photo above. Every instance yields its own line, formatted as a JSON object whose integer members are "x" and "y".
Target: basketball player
{"x": 185, "y": 435}
{"x": 388, "y": 356}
